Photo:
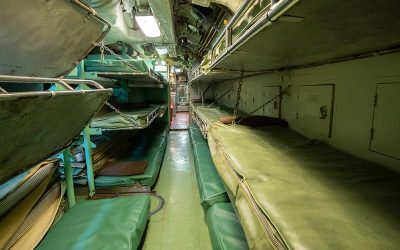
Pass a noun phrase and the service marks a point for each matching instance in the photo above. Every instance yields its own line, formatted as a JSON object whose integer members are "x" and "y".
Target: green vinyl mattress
{"x": 149, "y": 145}
{"x": 116, "y": 223}
{"x": 224, "y": 227}
{"x": 210, "y": 186}
{"x": 114, "y": 121}
{"x": 294, "y": 193}
{"x": 205, "y": 115}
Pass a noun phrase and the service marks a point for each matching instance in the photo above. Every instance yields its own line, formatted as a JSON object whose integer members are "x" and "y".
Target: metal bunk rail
{"x": 276, "y": 10}
{"x": 41, "y": 80}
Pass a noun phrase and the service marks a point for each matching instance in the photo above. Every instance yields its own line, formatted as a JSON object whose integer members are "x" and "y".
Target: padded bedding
{"x": 149, "y": 145}
{"x": 116, "y": 223}
{"x": 211, "y": 188}
{"x": 205, "y": 115}
{"x": 224, "y": 227}
{"x": 112, "y": 120}
{"x": 294, "y": 193}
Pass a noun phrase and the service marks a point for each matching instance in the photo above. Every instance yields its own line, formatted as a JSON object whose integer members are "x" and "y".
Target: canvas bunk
{"x": 340, "y": 201}
{"x": 41, "y": 116}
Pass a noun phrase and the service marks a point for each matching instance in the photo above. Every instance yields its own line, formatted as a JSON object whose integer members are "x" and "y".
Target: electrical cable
{"x": 161, "y": 203}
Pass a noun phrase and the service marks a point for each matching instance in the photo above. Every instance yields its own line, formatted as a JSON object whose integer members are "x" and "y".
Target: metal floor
{"x": 180, "y": 121}
{"x": 181, "y": 223}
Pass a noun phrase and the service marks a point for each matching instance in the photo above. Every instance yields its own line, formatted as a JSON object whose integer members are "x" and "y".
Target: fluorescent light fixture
{"x": 161, "y": 68}
{"x": 148, "y": 24}
{"x": 162, "y": 50}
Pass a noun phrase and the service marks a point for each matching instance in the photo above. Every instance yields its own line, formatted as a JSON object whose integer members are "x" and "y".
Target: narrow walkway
{"x": 180, "y": 121}
{"x": 181, "y": 224}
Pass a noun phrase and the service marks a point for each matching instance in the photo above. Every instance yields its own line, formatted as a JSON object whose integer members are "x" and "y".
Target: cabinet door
{"x": 272, "y": 109}
{"x": 385, "y": 138}
{"x": 250, "y": 100}
{"x": 315, "y": 108}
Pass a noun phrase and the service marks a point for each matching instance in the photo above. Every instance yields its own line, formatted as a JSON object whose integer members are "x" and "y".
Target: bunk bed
{"x": 268, "y": 36}
{"x": 42, "y": 116}
{"x": 117, "y": 223}
{"x": 205, "y": 114}
{"x": 340, "y": 201}
{"x": 149, "y": 145}
{"x": 131, "y": 119}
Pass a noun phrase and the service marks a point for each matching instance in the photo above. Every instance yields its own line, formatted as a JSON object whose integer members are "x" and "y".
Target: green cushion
{"x": 149, "y": 146}
{"x": 209, "y": 183}
{"x": 296, "y": 193}
{"x": 195, "y": 135}
{"x": 116, "y": 223}
{"x": 224, "y": 228}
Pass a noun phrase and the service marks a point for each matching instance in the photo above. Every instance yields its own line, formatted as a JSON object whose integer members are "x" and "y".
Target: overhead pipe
{"x": 266, "y": 20}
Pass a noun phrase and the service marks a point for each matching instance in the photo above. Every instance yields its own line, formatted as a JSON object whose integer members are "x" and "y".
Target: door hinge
{"x": 375, "y": 100}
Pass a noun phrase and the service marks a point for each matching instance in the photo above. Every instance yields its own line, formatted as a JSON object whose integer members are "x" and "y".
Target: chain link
{"x": 278, "y": 96}
{"x": 235, "y": 111}
{"x": 103, "y": 47}
{"x": 102, "y": 53}
{"x": 127, "y": 118}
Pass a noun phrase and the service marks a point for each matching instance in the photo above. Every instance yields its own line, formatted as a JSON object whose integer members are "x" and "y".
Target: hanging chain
{"x": 104, "y": 47}
{"x": 102, "y": 52}
{"x": 235, "y": 111}
{"x": 201, "y": 94}
{"x": 278, "y": 96}
{"x": 127, "y": 118}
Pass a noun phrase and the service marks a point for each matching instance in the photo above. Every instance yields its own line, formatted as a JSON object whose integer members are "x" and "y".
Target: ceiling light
{"x": 148, "y": 24}
{"x": 162, "y": 50}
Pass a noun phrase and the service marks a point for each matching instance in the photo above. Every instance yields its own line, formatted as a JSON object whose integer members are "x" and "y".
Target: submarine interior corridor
{"x": 199, "y": 124}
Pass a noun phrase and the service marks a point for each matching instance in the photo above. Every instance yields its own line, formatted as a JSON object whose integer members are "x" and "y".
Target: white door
{"x": 385, "y": 138}
{"x": 314, "y": 110}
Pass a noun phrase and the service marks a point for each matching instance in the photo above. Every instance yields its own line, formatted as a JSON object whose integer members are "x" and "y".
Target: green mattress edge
{"x": 210, "y": 186}
{"x": 117, "y": 223}
{"x": 152, "y": 150}
{"x": 337, "y": 197}
{"x": 226, "y": 232}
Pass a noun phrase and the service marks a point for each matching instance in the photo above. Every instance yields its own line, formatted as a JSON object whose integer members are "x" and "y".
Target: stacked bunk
{"x": 33, "y": 209}
{"x": 148, "y": 148}
{"x": 42, "y": 116}
{"x": 291, "y": 192}
{"x": 224, "y": 226}
{"x": 138, "y": 118}
{"x": 341, "y": 201}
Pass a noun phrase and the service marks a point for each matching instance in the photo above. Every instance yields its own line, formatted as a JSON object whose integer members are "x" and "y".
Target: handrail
{"x": 43, "y": 80}
{"x": 232, "y": 21}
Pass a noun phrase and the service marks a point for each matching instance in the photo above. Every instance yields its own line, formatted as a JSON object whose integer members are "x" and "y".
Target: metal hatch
{"x": 46, "y": 38}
